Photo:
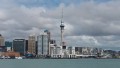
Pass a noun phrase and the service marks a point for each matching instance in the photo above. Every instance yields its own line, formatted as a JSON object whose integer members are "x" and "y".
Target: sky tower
{"x": 62, "y": 31}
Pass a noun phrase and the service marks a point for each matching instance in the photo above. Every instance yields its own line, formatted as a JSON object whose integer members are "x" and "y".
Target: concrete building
{"x": 19, "y": 45}
{"x": 2, "y": 40}
{"x": 71, "y": 50}
{"x": 86, "y": 52}
{"x": 57, "y": 52}
{"x": 52, "y": 47}
{"x": 32, "y": 44}
{"x": 78, "y": 50}
{"x": 52, "y": 50}
{"x": 43, "y": 48}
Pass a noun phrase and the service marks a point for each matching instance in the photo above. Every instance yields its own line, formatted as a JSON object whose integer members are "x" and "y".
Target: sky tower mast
{"x": 62, "y": 30}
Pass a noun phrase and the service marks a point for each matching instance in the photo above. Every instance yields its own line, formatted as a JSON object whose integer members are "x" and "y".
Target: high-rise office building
{"x": 43, "y": 48}
{"x": 2, "y": 40}
{"x": 26, "y": 48}
{"x": 8, "y": 45}
{"x": 49, "y": 40}
{"x": 19, "y": 45}
{"x": 32, "y": 45}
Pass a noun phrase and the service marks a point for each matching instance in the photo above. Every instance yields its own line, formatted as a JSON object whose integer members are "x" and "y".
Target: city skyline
{"x": 87, "y": 22}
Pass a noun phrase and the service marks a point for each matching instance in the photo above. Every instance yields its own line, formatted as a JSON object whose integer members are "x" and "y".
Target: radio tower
{"x": 62, "y": 30}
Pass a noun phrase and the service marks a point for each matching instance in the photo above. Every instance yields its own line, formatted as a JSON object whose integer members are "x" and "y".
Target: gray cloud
{"x": 86, "y": 24}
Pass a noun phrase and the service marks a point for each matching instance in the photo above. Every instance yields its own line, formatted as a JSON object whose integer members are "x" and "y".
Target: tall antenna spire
{"x": 62, "y": 17}
{"x": 62, "y": 29}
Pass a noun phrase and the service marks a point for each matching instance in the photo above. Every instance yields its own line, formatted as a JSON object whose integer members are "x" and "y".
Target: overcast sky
{"x": 87, "y": 22}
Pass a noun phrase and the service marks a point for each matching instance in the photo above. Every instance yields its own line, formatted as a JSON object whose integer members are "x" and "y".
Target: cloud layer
{"x": 87, "y": 23}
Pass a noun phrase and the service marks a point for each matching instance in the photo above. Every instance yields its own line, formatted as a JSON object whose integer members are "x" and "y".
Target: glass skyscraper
{"x": 43, "y": 47}
{"x": 19, "y": 45}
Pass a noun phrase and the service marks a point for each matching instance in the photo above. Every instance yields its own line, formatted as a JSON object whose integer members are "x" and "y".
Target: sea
{"x": 60, "y": 63}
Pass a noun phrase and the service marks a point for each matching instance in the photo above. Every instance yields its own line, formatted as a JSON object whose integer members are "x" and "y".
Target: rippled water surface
{"x": 60, "y": 63}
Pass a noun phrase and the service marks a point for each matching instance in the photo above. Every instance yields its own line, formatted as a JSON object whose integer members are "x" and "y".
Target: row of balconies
{"x": 63, "y": 56}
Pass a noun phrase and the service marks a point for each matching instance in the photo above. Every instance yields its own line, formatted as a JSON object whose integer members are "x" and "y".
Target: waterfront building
{"x": 8, "y": 45}
{"x": 19, "y": 45}
{"x": 43, "y": 44}
{"x": 52, "y": 50}
{"x": 71, "y": 50}
{"x": 2, "y": 50}
{"x": 57, "y": 52}
{"x": 78, "y": 50}
{"x": 2, "y": 40}
{"x": 32, "y": 44}
{"x": 95, "y": 51}
{"x": 52, "y": 47}
{"x": 85, "y": 51}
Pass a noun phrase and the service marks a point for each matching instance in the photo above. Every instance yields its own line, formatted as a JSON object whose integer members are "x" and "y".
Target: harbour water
{"x": 60, "y": 63}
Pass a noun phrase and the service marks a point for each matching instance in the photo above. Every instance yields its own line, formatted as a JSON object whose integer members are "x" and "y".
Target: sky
{"x": 87, "y": 22}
